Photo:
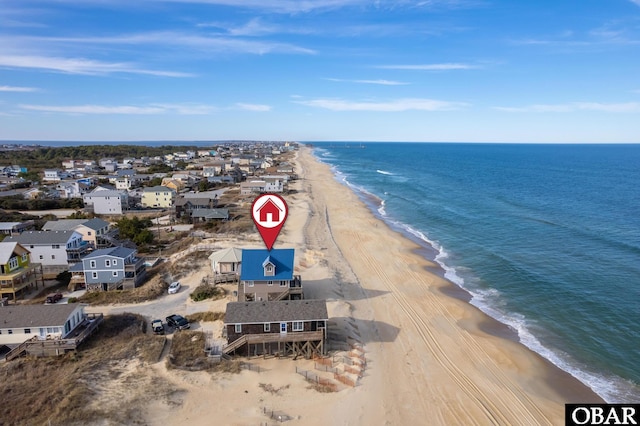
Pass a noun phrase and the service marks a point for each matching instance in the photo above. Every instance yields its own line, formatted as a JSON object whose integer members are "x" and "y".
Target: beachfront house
{"x": 286, "y": 327}
{"x": 44, "y": 330}
{"x": 268, "y": 276}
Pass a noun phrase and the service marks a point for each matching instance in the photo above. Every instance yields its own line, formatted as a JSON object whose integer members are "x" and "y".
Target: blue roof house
{"x": 268, "y": 276}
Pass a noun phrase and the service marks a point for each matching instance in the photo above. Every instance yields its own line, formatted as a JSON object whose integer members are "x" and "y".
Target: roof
{"x": 211, "y": 213}
{"x": 283, "y": 310}
{"x": 42, "y": 237}
{"x": 252, "y": 264}
{"x": 63, "y": 224}
{"x": 105, "y": 193}
{"x": 19, "y": 316}
{"x": 96, "y": 223}
{"x": 8, "y": 225}
{"x": 158, "y": 188}
{"x": 7, "y": 249}
{"x": 228, "y": 255}
{"x": 119, "y": 251}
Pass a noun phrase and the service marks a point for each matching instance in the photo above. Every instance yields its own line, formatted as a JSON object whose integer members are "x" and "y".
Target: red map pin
{"x": 269, "y": 211}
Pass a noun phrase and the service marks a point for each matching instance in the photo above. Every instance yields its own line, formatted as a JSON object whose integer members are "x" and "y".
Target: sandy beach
{"x": 431, "y": 357}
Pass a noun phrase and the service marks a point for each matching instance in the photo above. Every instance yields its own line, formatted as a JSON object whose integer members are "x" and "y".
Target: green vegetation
{"x": 17, "y": 202}
{"x": 136, "y": 230}
{"x": 208, "y": 316}
{"x": 207, "y": 291}
{"x": 52, "y": 157}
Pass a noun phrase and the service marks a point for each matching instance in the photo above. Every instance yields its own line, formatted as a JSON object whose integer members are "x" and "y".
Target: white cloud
{"x": 302, "y": 6}
{"x": 380, "y": 82}
{"x": 152, "y": 109}
{"x": 626, "y": 107}
{"x": 79, "y": 66}
{"x": 253, "y": 107}
{"x": 430, "y": 67}
{"x": 388, "y": 106}
{"x": 165, "y": 39}
{"x": 17, "y": 89}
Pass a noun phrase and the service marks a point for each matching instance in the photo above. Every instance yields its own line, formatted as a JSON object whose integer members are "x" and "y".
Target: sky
{"x": 320, "y": 70}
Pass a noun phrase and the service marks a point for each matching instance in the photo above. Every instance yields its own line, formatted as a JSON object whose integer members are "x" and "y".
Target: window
{"x": 250, "y": 283}
{"x": 55, "y": 246}
{"x": 107, "y": 263}
{"x": 53, "y": 256}
{"x": 115, "y": 273}
{"x": 298, "y": 326}
{"x": 269, "y": 282}
{"x": 25, "y": 257}
{"x": 10, "y": 331}
{"x": 283, "y": 283}
{"x": 92, "y": 264}
{"x": 27, "y": 331}
{"x": 94, "y": 275}
{"x": 267, "y": 327}
{"x": 238, "y": 328}
{"x": 115, "y": 262}
{"x": 41, "y": 257}
{"x": 89, "y": 233}
{"x": 13, "y": 263}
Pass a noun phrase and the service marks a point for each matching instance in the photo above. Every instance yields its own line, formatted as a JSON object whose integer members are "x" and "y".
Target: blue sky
{"x": 352, "y": 70}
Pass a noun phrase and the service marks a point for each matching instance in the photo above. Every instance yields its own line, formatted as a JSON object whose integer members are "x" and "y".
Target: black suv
{"x": 178, "y": 322}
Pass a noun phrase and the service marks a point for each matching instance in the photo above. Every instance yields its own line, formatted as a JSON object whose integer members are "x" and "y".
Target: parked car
{"x": 157, "y": 326}
{"x": 178, "y": 322}
{"x": 174, "y": 287}
{"x": 53, "y": 297}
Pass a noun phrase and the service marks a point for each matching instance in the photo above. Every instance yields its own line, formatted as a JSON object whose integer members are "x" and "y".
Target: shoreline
{"x": 541, "y": 391}
{"x": 426, "y": 249}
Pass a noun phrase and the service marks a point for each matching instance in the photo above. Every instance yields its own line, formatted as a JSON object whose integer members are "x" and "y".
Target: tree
{"x": 203, "y": 185}
{"x": 133, "y": 228}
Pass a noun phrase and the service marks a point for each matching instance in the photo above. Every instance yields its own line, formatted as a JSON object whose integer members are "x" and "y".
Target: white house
{"x": 19, "y": 323}
{"x": 106, "y": 201}
{"x": 55, "y": 250}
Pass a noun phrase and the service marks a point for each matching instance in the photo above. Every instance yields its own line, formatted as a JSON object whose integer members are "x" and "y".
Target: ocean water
{"x": 546, "y": 239}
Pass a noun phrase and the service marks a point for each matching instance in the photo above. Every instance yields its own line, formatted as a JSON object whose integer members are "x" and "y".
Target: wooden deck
{"x": 305, "y": 343}
{"x": 54, "y": 347}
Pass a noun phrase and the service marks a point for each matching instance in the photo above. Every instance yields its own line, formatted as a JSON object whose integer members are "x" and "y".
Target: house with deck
{"x": 114, "y": 268}
{"x": 226, "y": 261}
{"x": 44, "y": 330}
{"x": 17, "y": 273}
{"x": 268, "y": 276}
{"x": 286, "y": 327}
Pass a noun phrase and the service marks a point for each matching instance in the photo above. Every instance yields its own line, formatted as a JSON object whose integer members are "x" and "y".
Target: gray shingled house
{"x": 287, "y": 327}
{"x": 110, "y": 269}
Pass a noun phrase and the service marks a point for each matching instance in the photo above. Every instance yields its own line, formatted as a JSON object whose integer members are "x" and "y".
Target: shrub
{"x": 206, "y": 291}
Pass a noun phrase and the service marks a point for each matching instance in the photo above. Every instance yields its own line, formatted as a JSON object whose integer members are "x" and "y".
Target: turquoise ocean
{"x": 545, "y": 238}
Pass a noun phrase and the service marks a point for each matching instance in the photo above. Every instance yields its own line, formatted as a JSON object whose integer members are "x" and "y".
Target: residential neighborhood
{"x": 95, "y": 251}
{"x": 91, "y": 250}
